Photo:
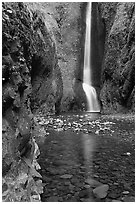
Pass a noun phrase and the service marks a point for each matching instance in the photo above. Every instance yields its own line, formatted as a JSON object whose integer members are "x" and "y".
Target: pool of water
{"x": 69, "y": 158}
{"x": 69, "y": 154}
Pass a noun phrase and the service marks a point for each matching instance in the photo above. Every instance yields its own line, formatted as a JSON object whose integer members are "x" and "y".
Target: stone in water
{"x": 101, "y": 191}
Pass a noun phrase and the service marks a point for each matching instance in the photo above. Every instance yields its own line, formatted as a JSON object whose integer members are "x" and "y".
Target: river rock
{"x": 101, "y": 191}
{"x": 116, "y": 201}
{"x": 128, "y": 199}
{"x": 84, "y": 194}
{"x": 113, "y": 195}
{"x": 87, "y": 186}
{"x": 66, "y": 176}
{"x": 93, "y": 183}
{"x": 53, "y": 199}
{"x": 125, "y": 192}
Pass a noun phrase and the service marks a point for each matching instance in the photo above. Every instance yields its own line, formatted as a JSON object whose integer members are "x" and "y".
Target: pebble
{"x": 115, "y": 183}
{"x": 87, "y": 199}
{"x": 86, "y": 186}
{"x": 71, "y": 187}
{"x": 129, "y": 199}
{"x": 83, "y": 194}
{"x": 66, "y": 176}
{"x": 125, "y": 192}
{"x": 116, "y": 201}
{"x": 52, "y": 199}
{"x": 96, "y": 176}
{"x": 97, "y": 132}
{"x": 101, "y": 191}
{"x": 93, "y": 182}
{"x": 113, "y": 195}
{"x": 126, "y": 154}
{"x": 67, "y": 183}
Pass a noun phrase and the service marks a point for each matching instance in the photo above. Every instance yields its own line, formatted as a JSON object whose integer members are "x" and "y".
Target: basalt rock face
{"x": 118, "y": 74}
{"x": 46, "y": 73}
{"x": 70, "y": 46}
{"x": 65, "y": 23}
{"x": 114, "y": 25}
{"x": 30, "y": 78}
{"x": 46, "y": 76}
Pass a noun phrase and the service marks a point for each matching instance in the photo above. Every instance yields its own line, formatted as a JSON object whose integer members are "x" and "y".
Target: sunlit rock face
{"x": 118, "y": 75}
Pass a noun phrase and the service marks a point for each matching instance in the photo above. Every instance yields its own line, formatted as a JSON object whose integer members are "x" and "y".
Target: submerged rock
{"x": 66, "y": 176}
{"x": 128, "y": 199}
{"x": 93, "y": 183}
{"x": 101, "y": 191}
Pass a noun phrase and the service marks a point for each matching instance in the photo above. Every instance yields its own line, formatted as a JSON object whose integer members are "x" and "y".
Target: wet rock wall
{"x": 30, "y": 77}
{"x": 118, "y": 74}
{"x": 112, "y": 57}
{"x": 65, "y": 22}
{"x": 113, "y": 63}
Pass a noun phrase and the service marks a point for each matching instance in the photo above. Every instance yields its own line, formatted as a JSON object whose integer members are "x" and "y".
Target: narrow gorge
{"x": 53, "y": 55}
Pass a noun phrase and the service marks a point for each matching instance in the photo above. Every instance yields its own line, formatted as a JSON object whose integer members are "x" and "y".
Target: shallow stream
{"x": 82, "y": 152}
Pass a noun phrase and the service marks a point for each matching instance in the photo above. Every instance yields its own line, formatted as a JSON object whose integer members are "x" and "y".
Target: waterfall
{"x": 91, "y": 95}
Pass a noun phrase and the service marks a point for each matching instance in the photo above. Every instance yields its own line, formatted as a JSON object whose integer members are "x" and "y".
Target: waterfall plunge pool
{"x": 79, "y": 150}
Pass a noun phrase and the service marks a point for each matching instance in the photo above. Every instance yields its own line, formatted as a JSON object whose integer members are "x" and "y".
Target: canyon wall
{"x": 118, "y": 69}
{"x": 42, "y": 65}
{"x": 31, "y": 79}
{"x": 113, "y": 77}
{"x": 64, "y": 21}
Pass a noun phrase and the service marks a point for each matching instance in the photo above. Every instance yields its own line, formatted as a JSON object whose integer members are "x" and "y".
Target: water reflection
{"x": 68, "y": 153}
{"x": 69, "y": 158}
{"x": 89, "y": 146}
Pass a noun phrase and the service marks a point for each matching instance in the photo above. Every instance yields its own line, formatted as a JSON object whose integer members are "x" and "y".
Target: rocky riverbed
{"x": 87, "y": 157}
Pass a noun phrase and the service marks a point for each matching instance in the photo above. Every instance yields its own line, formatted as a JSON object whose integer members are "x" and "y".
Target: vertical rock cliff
{"x": 64, "y": 22}
{"x": 30, "y": 78}
{"x": 118, "y": 74}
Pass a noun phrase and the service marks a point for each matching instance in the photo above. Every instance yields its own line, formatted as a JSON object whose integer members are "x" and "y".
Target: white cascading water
{"x": 92, "y": 101}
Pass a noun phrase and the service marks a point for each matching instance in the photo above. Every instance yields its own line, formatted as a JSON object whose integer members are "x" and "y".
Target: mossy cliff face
{"x": 118, "y": 74}
{"x": 30, "y": 78}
